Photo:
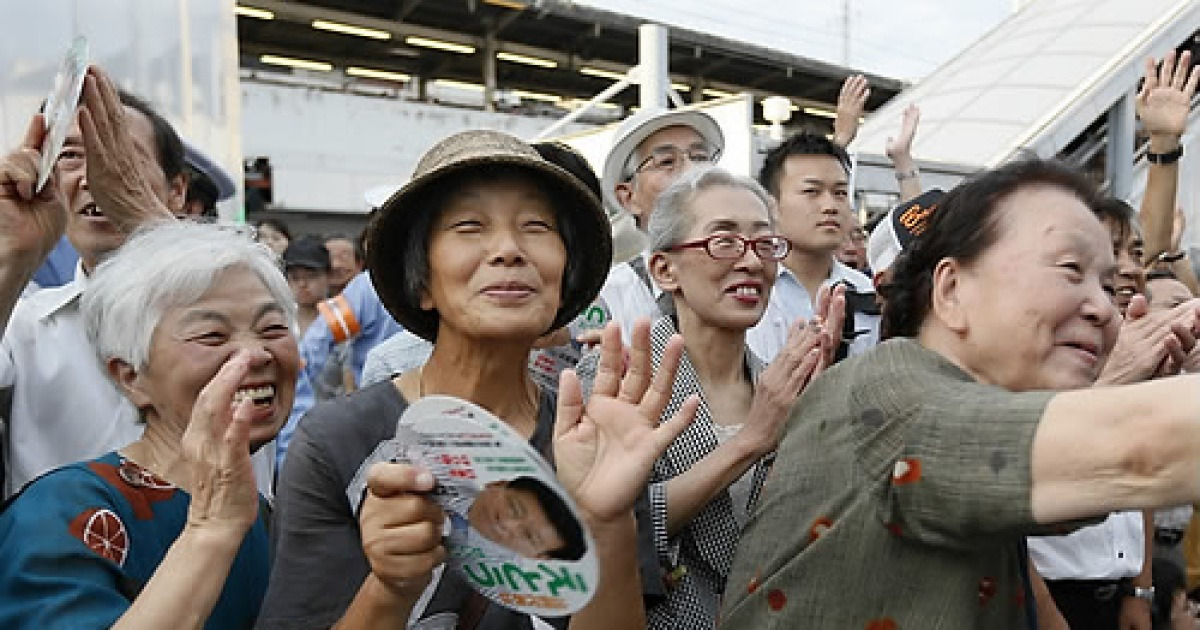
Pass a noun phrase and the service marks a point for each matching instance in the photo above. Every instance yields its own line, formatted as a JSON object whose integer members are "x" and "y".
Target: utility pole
{"x": 846, "y": 33}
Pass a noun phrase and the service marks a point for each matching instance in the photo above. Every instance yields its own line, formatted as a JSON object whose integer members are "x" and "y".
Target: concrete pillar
{"x": 653, "y": 59}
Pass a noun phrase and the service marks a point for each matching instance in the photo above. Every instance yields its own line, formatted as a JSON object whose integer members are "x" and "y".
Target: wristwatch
{"x": 1140, "y": 592}
{"x": 1170, "y": 257}
{"x": 1170, "y": 157}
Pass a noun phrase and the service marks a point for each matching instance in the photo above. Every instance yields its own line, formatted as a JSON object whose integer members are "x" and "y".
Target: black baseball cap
{"x": 307, "y": 251}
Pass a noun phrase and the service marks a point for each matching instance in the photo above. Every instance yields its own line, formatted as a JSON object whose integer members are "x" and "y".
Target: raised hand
{"x": 401, "y": 528}
{"x": 124, "y": 176}
{"x": 781, "y": 382}
{"x": 900, "y": 146}
{"x": 830, "y": 317}
{"x": 216, "y": 445}
{"x": 30, "y": 222}
{"x": 604, "y": 450}
{"x": 852, "y": 100}
{"x": 1166, "y": 95}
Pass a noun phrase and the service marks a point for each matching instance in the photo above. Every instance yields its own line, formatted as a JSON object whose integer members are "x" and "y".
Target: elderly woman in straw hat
{"x": 486, "y": 249}
{"x": 195, "y": 324}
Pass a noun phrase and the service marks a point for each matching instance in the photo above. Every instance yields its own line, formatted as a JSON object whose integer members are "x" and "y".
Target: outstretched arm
{"x": 1103, "y": 449}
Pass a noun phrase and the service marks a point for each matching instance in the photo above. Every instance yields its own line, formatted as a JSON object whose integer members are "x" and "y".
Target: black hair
{"x": 277, "y": 224}
{"x": 414, "y": 243}
{"x": 965, "y": 226}
{"x": 202, "y": 189}
{"x": 167, "y": 144}
{"x": 1119, "y": 214}
{"x": 559, "y": 514}
{"x": 310, "y": 249}
{"x": 801, "y": 143}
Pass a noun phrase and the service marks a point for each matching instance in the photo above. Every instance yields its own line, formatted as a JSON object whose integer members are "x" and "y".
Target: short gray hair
{"x": 672, "y": 212}
{"x": 162, "y": 266}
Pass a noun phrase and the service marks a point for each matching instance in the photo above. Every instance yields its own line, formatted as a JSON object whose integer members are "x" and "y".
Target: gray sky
{"x": 904, "y": 39}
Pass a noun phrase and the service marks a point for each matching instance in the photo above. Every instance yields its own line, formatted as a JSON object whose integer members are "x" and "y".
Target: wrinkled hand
{"x": 1151, "y": 344}
{"x": 124, "y": 176}
{"x": 1166, "y": 95}
{"x": 900, "y": 147}
{"x": 782, "y": 381}
{"x": 604, "y": 449}
{"x": 852, "y": 100}
{"x": 216, "y": 445}
{"x": 401, "y": 528}
{"x": 30, "y": 223}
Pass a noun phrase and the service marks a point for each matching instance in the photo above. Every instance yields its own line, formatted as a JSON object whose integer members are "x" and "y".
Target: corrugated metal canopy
{"x": 1036, "y": 81}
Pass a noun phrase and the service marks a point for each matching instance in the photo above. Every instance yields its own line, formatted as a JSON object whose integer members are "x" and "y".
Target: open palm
{"x": 1166, "y": 94}
{"x": 604, "y": 450}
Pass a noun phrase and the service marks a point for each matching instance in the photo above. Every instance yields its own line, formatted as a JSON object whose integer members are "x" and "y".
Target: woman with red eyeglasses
{"x": 715, "y": 255}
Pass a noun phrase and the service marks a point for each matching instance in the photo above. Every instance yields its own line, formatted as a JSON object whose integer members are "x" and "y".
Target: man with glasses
{"x": 122, "y": 166}
{"x": 809, "y": 176}
{"x": 650, "y": 150}
{"x": 124, "y": 169}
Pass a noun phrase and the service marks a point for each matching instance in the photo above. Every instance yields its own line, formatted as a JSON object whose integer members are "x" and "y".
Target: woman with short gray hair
{"x": 714, "y": 253}
{"x": 195, "y": 325}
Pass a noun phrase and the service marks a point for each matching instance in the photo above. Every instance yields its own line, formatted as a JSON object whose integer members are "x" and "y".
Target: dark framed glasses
{"x": 772, "y": 247}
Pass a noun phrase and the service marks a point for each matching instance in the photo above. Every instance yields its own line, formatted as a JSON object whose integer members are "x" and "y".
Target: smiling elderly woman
{"x": 716, "y": 254}
{"x": 909, "y": 477}
{"x": 195, "y": 324}
{"x": 485, "y": 250}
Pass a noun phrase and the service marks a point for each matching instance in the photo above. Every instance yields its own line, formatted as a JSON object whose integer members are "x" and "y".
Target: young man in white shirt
{"x": 809, "y": 177}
